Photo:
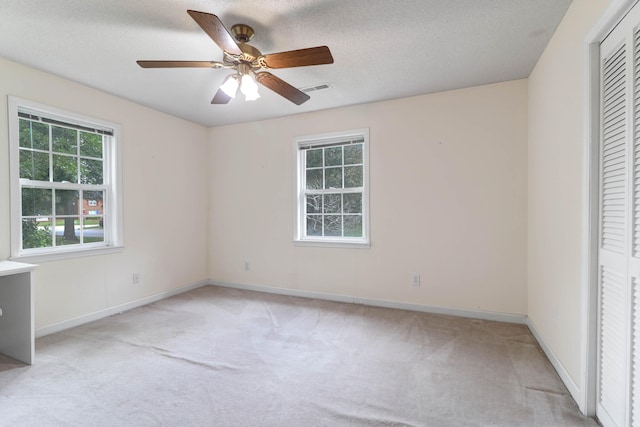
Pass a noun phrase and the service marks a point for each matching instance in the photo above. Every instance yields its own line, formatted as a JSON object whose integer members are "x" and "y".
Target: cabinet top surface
{"x": 12, "y": 267}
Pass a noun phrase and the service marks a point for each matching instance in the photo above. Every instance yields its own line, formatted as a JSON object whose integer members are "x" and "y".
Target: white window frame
{"x": 113, "y": 212}
{"x": 300, "y": 237}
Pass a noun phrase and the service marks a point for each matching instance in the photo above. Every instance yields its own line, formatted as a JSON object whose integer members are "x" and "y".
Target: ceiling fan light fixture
{"x": 230, "y": 85}
{"x": 249, "y": 88}
{"x": 247, "y": 61}
{"x": 252, "y": 96}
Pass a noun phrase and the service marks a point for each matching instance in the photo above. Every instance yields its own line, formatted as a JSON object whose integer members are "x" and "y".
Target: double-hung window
{"x": 332, "y": 189}
{"x": 65, "y": 183}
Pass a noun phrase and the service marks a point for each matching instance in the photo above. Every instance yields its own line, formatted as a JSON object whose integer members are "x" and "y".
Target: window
{"x": 332, "y": 191}
{"x": 65, "y": 183}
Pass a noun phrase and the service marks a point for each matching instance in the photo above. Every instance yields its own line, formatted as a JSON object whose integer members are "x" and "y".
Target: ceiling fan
{"x": 247, "y": 61}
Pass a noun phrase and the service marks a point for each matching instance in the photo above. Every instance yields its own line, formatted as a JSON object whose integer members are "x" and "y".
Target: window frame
{"x": 112, "y": 172}
{"x": 300, "y": 237}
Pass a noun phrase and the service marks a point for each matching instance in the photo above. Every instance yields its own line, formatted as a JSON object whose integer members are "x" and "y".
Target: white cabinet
{"x": 17, "y": 338}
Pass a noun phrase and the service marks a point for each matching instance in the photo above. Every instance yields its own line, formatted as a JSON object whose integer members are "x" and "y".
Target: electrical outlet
{"x": 247, "y": 266}
{"x": 136, "y": 278}
{"x": 415, "y": 280}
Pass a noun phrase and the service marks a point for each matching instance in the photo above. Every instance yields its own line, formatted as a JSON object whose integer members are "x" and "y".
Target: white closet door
{"x": 633, "y": 295}
{"x": 618, "y": 240}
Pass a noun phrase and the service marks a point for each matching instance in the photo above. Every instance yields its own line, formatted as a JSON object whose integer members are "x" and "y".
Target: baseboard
{"x": 573, "y": 388}
{"x": 81, "y": 320}
{"x": 473, "y": 314}
{"x": 460, "y": 312}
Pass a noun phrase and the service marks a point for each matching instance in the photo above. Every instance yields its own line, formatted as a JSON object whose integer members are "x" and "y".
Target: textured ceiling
{"x": 383, "y": 49}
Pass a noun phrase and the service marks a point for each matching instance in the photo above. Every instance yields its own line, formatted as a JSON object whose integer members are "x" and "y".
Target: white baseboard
{"x": 473, "y": 314}
{"x": 573, "y": 388}
{"x": 460, "y": 312}
{"x": 81, "y": 320}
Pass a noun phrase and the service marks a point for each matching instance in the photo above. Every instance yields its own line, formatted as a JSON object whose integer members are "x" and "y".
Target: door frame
{"x": 616, "y": 11}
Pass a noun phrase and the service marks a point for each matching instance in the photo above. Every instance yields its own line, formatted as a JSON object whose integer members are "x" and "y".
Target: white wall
{"x": 165, "y": 202}
{"x": 556, "y": 155}
{"x": 448, "y": 201}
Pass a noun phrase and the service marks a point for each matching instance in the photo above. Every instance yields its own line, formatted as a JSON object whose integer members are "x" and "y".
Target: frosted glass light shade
{"x": 249, "y": 88}
{"x": 230, "y": 86}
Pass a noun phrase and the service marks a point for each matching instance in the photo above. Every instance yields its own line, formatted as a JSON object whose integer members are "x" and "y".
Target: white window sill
{"x": 332, "y": 243}
{"x": 68, "y": 254}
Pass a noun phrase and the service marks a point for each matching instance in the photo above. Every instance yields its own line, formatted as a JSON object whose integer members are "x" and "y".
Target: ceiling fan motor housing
{"x": 249, "y": 55}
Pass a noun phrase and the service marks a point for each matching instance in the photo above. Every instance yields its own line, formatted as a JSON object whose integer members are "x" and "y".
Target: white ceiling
{"x": 383, "y": 49}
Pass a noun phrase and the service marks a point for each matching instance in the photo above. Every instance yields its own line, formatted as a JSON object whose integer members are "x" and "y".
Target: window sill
{"x": 333, "y": 244}
{"x": 69, "y": 254}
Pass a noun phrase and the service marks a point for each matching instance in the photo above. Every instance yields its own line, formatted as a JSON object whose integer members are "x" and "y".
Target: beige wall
{"x": 165, "y": 202}
{"x": 556, "y": 155}
{"x": 448, "y": 201}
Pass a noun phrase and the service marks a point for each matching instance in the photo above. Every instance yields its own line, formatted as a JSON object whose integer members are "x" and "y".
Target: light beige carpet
{"x": 223, "y": 357}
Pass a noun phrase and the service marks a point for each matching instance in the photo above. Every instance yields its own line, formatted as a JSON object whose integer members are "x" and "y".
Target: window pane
{"x": 66, "y": 202}
{"x": 36, "y": 202}
{"x": 92, "y": 230}
{"x": 333, "y": 225}
{"x": 333, "y": 178}
{"x": 314, "y": 179}
{"x": 34, "y": 165}
{"x": 91, "y": 171}
{"x": 333, "y": 203}
{"x": 353, "y": 154}
{"x": 353, "y": 225}
{"x": 314, "y": 158}
{"x": 92, "y": 203}
{"x": 314, "y": 204}
{"x": 68, "y": 231}
{"x": 91, "y": 145}
{"x": 353, "y": 203}
{"x": 333, "y": 156}
{"x": 34, "y": 135}
{"x": 36, "y": 234}
{"x": 65, "y": 140}
{"x": 352, "y": 176}
{"x": 65, "y": 168}
{"x": 314, "y": 225}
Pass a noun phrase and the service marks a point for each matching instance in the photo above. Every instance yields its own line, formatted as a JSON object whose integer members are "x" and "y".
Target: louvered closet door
{"x": 633, "y": 294}
{"x": 618, "y": 402}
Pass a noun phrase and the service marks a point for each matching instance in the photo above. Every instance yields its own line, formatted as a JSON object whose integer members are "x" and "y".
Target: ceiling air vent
{"x": 321, "y": 86}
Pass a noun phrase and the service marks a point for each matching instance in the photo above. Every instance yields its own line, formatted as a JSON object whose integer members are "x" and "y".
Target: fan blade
{"x": 220, "y": 98}
{"x": 282, "y": 88}
{"x": 176, "y": 64}
{"x": 212, "y": 25}
{"x": 299, "y": 58}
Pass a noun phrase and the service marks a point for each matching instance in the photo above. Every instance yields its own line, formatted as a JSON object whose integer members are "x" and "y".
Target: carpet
{"x": 224, "y": 357}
